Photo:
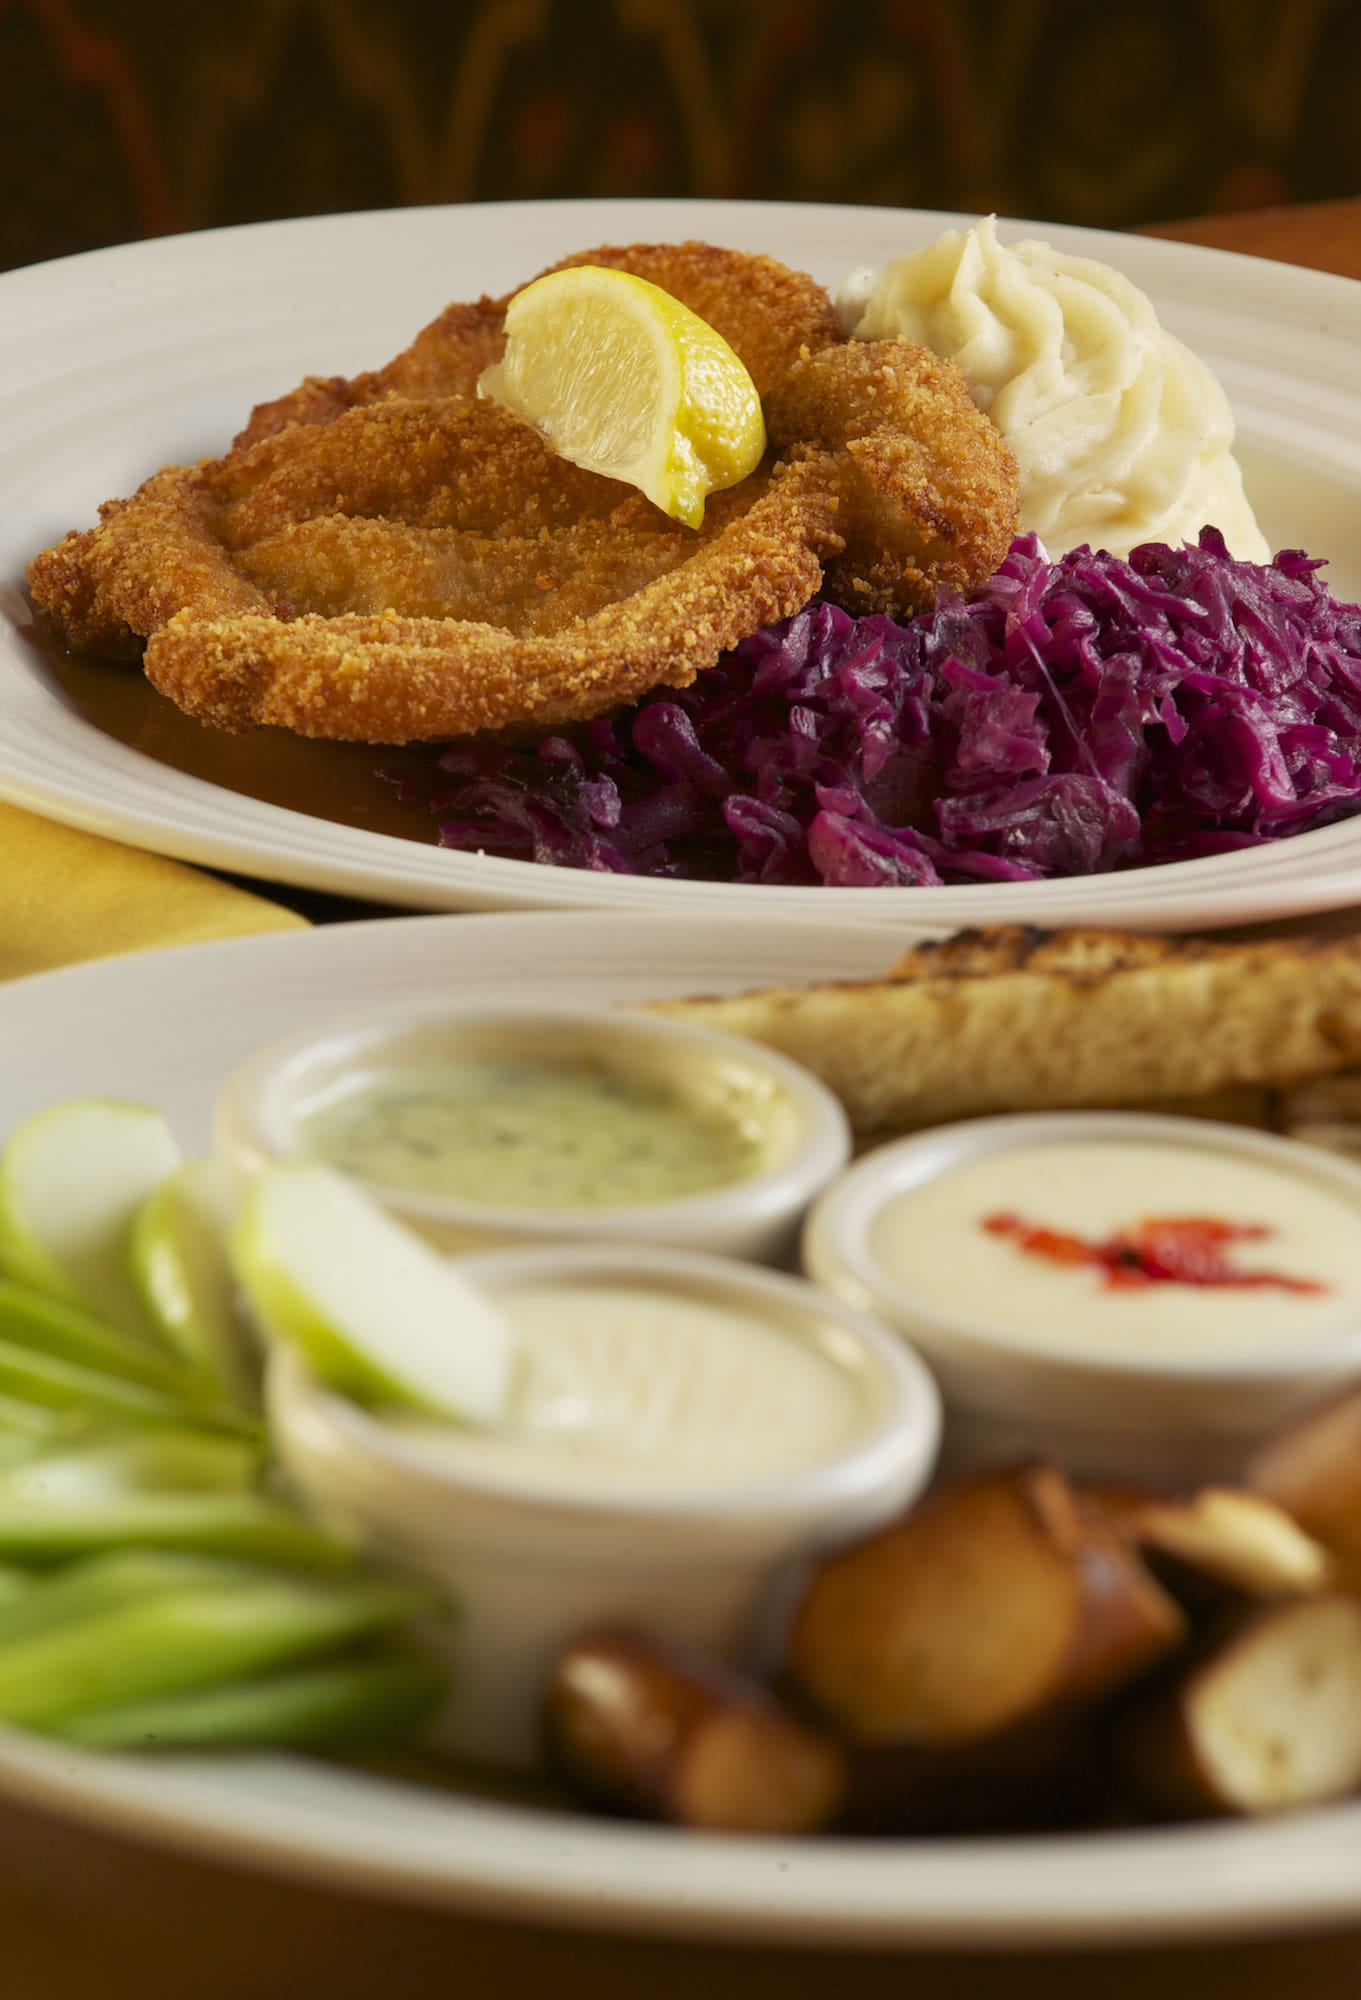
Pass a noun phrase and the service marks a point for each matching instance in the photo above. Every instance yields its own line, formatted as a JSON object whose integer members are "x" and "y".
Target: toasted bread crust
{"x": 1014, "y": 1019}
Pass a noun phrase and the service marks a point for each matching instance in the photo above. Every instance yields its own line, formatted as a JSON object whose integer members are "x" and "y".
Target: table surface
{"x": 86, "y": 1917}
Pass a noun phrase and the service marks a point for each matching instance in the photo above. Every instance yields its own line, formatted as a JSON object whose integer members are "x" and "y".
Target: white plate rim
{"x": 183, "y": 1013}
{"x": 91, "y": 782}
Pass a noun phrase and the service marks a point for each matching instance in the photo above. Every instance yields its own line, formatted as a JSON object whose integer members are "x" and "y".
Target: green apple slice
{"x": 71, "y": 1180}
{"x": 180, "y": 1268}
{"x": 373, "y": 1310}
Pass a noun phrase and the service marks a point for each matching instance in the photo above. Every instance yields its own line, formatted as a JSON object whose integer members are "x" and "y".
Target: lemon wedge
{"x": 622, "y": 378}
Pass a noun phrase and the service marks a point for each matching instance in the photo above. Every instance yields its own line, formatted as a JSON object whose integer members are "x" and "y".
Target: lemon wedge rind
{"x": 623, "y": 379}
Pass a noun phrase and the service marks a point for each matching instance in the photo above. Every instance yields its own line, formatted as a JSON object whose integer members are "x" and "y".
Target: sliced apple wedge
{"x": 71, "y": 1180}
{"x": 373, "y": 1310}
{"x": 180, "y": 1267}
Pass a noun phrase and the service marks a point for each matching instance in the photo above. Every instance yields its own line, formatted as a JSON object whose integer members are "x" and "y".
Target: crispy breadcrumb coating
{"x": 390, "y": 559}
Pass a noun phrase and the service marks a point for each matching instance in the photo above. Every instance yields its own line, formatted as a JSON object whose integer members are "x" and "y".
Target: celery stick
{"x": 354, "y": 1701}
{"x": 59, "y": 1384}
{"x": 14, "y": 1583}
{"x": 243, "y": 1525}
{"x": 56, "y": 1384}
{"x": 104, "y": 1583}
{"x": 141, "y": 1461}
{"x": 21, "y": 1448}
{"x": 169, "y": 1644}
{"x": 32, "y": 1423}
{"x": 31, "y": 1319}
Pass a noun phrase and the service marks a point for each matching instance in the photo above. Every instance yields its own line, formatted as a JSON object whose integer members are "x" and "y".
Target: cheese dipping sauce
{"x": 532, "y": 1134}
{"x": 942, "y": 1243}
{"x": 622, "y": 1385}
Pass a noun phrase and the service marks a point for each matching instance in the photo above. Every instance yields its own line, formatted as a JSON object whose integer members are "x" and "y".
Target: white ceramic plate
{"x": 166, "y": 1027}
{"x": 114, "y": 363}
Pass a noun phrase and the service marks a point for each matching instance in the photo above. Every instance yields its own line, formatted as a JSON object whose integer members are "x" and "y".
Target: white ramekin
{"x": 807, "y": 1138}
{"x": 526, "y": 1567}
{"x": 1158, "y": 1419}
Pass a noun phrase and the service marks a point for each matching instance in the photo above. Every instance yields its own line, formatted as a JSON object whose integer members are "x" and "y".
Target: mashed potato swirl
{"x": 1122, "y": 435}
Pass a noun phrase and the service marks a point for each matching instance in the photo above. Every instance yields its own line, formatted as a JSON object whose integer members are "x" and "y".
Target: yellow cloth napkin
{"x": 66, "y": 895}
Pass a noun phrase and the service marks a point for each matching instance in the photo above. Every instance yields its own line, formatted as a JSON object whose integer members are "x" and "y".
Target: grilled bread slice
{"x": 1013, "y": 1019}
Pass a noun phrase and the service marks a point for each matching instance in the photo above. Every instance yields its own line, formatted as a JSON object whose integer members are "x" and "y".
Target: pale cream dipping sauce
{"x": 622, "y": 1386}
{"x": 935, "y": 1242}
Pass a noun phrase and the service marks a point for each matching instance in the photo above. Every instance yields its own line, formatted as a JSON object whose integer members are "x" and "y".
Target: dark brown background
{"x": 120, "y": 118}
{"x": 124, "y": 118}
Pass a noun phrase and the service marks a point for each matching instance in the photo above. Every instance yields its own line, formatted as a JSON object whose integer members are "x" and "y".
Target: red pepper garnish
{"x": 1051, "y": 1244}
{"x": 1160, "y": 1250}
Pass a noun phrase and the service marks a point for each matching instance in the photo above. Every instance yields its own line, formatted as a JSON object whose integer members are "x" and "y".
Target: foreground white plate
{"x": 166, "y": 1027}
{"x": 116, "y": 362}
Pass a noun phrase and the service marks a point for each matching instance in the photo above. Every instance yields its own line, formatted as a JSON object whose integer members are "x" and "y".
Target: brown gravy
{"x": 334, "y": 781}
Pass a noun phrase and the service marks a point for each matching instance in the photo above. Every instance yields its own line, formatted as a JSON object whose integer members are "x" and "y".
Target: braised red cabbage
{"x": 1066, "y": 718}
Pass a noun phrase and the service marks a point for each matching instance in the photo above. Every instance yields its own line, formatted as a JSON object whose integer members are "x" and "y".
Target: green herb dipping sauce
{"x": 520, "y": 1134}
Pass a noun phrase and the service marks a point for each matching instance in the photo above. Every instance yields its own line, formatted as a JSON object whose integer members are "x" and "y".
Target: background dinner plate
{"x": 116, "y": 362}
{"x": 166, "y": 1027}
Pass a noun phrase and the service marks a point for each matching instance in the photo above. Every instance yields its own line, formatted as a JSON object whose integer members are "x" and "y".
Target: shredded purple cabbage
{"x": 1064, "y": 719}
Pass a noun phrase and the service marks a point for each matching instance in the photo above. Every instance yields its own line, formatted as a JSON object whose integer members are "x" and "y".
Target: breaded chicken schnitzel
{"x": 389, "y": 559}
{"x": 767, "y": 313}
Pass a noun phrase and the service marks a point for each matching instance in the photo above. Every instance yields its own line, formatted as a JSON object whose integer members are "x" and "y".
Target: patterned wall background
{"x": 123, "y": 118}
